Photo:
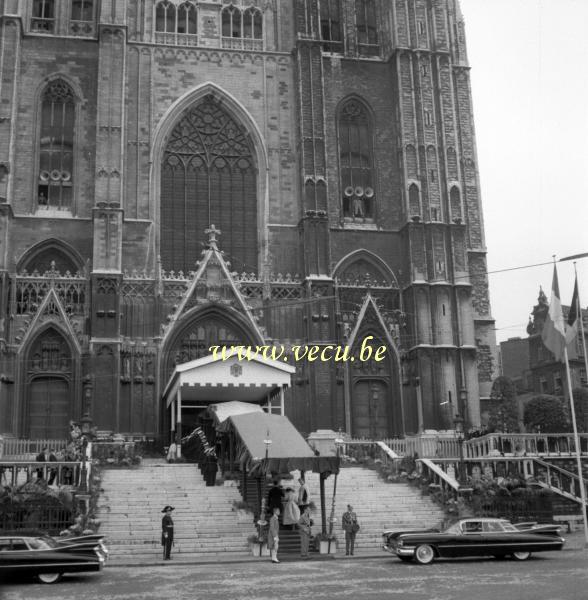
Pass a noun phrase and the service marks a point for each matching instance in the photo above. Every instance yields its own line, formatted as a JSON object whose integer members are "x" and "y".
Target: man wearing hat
{"x": 167, "y": 532}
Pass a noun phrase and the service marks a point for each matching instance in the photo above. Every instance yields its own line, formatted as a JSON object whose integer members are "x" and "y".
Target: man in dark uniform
{"x": 167, "y": 532}
{"x": 41, "y": 457}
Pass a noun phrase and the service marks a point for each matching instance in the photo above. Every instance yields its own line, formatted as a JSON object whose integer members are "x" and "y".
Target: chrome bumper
{"x": 402, "y": 551}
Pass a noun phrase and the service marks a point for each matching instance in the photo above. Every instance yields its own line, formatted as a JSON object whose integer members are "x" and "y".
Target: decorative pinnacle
{"x": 212, "y": 232}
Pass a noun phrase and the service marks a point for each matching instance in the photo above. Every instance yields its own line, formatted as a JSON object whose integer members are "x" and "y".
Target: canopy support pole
{"x": 282, "y": 401}
{"x": 322, "y": 478}
{"x": 179, "y": 422}
{"x": 172, "y": 422}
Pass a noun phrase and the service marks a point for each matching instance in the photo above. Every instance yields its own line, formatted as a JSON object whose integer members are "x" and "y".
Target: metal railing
{"x": 54, "y": 473}
{"x": 35, "y": 516}
{"x": 519, "y": 444}
{"x": 441, "y": 445}
{"x": 23, "y": 449}
{"x": 561, "y": 481}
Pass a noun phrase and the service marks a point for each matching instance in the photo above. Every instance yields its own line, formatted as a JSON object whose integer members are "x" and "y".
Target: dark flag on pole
{"x": 573, "y": 324}
{"x": 554, "y": 334}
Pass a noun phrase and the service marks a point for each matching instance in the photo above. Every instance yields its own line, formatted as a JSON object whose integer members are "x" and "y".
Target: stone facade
{"x": 332, "y": 142}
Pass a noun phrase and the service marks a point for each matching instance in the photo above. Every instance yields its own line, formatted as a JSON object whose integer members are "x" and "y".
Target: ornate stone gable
{"x": 213, "y": 285}
{"x": 51, "y": 311}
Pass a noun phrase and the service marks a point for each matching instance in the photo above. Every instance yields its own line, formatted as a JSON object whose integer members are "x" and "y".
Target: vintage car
{"x": 472, "y": 537}
{"x": 49, "y": 558}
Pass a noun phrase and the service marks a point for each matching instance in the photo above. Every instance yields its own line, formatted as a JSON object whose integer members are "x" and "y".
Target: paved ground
{"x": 547, "y": 576}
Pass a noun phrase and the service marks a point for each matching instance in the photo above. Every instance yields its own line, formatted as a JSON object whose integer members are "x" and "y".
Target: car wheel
{"x": 521, "y": 555}
{"x": 49, "y": 577}
{"x": 424, "y": 554}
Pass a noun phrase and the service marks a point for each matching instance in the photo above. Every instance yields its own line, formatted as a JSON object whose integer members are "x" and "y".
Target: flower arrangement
{"x": 325, "y": 537}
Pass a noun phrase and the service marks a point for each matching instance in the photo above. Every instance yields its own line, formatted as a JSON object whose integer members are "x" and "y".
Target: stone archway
{"x": 49, "y": 389}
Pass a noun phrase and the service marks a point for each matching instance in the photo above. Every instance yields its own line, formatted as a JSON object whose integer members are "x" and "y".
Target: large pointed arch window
{"x": 208, "y": 176}
{"x": 356, "y": 162}
{"x": 56, "y": 148}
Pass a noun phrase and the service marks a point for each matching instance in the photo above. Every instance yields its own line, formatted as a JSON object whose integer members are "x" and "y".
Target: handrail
{"x": 389, "y": 452}
{"x": 66, "y": 472}
{"x": 440, "y": 473}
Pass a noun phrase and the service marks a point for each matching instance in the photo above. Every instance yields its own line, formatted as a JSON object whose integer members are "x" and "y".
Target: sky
{"x": 529, "y": 77}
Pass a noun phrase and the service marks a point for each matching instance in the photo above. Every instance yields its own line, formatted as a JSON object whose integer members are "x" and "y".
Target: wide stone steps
{"x": 205, "y": 521}
{"x": 378, "y": 505}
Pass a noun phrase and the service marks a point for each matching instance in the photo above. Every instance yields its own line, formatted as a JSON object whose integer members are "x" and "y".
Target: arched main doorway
{"x": 215, "y": 326}
{"x": 49, "y": 387}
{"x": 208, "y": 176}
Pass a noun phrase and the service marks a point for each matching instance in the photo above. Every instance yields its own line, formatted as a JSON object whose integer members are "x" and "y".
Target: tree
{"x": 581, "y": 407}
{"x": 546, "y": 414}
{"x": 504, "y": 411}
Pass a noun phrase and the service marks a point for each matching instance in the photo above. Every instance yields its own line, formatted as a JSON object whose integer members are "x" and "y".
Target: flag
{"x": 573, "y": 324}
{"x": 554, "y": 334}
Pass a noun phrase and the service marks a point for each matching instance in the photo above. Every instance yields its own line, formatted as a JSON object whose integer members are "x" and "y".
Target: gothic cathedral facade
{"x": 330, "y": 142}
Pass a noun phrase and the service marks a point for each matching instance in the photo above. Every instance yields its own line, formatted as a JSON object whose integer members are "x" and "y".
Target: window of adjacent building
{"x": 543, "y": 385}
{"x": 176, "y": 20}
{"x": 208, "y": 175}
{"x": 82, "y": 10}
{"x": 558, "y": 385}
{"x": 428, "y": 118}
{"x": 43, "y": 19}
{"x": 366, "y": 27}
{"x": 330, "y": 15}
{"x": 356, "y": 161}
{"x": 56, "y": 146}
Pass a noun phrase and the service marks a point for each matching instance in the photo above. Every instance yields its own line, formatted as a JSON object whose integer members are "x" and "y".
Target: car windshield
{"x": 508, "y": 526}
{"x": 453, "y": 529}
{"x": 41, "y": 543}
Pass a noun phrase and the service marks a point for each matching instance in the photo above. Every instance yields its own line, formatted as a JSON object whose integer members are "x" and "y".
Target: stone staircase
{"x": 378, "y": 505}
{"x": 207, "y": 524}
{"x": 204, "y": 518}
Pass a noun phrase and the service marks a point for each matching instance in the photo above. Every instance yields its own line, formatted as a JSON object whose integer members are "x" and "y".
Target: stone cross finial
{"x": 212, "y": 232}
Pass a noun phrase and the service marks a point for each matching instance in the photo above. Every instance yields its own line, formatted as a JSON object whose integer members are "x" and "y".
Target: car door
{"x": 472, "y": 541}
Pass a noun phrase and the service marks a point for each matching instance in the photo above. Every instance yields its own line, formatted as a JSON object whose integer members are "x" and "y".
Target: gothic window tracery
{"x": 366, "y": 27}
{"x": 208, "y": 177}
{"x": 330, "y": 16}
{"x": 356, "y": 162}
{"x": 176, "y": 23}
{"x": 82, "y": 10}
{"x": 56, "y": 146}
{"x": 242, "y": 28}
{"x": 43, "y": 16}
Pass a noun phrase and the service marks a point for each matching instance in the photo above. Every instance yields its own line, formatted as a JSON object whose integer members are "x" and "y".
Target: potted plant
{"x": 258, "y": 545}
{"x": 327, "y": 543}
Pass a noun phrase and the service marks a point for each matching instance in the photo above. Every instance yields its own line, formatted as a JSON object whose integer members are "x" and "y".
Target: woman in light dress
{"x": 291, "y": 510}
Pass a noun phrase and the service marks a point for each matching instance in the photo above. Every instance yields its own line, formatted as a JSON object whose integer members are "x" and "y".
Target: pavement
{"x": 575, "y": 541}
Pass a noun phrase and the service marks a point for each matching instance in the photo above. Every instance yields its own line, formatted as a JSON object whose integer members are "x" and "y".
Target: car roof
{"x": 483, "y": 520}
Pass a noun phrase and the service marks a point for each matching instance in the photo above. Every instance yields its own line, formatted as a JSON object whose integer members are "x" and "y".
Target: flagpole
{"x": 577, "y": 444}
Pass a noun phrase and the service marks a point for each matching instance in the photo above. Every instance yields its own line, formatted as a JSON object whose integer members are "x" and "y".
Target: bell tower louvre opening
{"x": 208, "y": 175}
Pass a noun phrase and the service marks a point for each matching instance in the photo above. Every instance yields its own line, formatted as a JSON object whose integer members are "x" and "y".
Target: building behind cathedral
{"x": 331, "y": 142}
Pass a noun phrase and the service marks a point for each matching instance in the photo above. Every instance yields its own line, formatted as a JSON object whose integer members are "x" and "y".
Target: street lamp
{"x": 458, "y": 422}
{"x": 267, "y": 443}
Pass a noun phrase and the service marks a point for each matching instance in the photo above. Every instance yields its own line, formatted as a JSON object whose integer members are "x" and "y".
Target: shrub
{"x": 547, "y": 414}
